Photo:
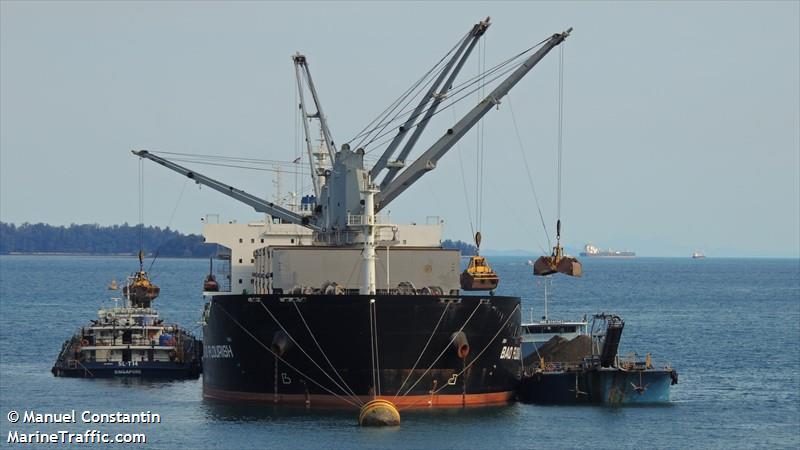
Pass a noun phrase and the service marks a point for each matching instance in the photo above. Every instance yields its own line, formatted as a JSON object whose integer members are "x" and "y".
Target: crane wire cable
{"x": 169, "y": 224}
{"x": 406, "y": 107}
{"x": 401, "y": 98}
{"x": 560, "y": 121}
{"x": 453, "y": 102}
{"x": 470, "y": 82}
{"x": 464, "y": 182}
{"x": 528, "y": 170}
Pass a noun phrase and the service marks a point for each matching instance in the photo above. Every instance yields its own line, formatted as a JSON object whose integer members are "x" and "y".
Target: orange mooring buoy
{"x": 379, "y": 413}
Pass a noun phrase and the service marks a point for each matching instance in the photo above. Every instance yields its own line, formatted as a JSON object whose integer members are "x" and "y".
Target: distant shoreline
{"x": 133, "y": 255}
{"x": 108, "y": 255}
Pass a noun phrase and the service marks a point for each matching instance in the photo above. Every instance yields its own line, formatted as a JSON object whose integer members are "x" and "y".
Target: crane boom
{"x": 477, "y": 32}
{"x": 430, "y": 157}
{"x": 458, "y": 57}
{"x": 258, "y": 204}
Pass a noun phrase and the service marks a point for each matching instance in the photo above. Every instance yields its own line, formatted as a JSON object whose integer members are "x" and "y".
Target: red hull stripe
{"x": 407, "y": 402}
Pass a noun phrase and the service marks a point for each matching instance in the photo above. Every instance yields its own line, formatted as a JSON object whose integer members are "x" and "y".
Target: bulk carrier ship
{"x": 327, "y": 303}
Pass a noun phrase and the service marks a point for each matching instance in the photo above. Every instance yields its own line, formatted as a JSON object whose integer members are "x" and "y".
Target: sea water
{"x": 731, "y": 327}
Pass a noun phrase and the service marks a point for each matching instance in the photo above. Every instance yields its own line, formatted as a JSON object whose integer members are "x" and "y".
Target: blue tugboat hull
{"x": 608, "y": 386}
{"x": 143, "y": 369}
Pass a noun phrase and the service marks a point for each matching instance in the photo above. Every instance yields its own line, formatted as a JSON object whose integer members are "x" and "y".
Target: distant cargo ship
{"x": 591, "y": 250}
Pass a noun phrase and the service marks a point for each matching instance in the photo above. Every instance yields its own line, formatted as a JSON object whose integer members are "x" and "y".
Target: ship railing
{"x": 553, "y": 366}
{"x": 337, "y": 237}
{"x": 357, "y": 220}
{"x": 635, "y": 361}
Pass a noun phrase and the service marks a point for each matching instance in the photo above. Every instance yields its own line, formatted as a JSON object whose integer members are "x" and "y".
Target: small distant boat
{"x": 590, "y": 250}
{"x": 698, "y": 255}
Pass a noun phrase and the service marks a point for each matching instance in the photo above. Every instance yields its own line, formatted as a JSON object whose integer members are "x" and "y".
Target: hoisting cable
{"x": 344, "y": 399}
{"x": 324, "y": 372}
{"x": 560, "y": 137}
{"x": 528, "y": 171}
{"x": 169, "y": 224}
{"x": 141, "y": 214}
{"x": 464, "y": 181}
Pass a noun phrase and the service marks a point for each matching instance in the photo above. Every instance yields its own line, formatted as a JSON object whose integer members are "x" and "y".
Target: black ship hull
{"x": 342, "y": 350}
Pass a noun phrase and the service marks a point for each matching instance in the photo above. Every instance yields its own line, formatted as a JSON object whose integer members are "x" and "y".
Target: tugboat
{"x": 565, "y": 374}
{"x": 131, "y": 340}
{"x": 537, "y": 333}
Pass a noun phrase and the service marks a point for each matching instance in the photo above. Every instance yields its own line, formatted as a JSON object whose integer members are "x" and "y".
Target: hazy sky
{"x": 681, "y": 119}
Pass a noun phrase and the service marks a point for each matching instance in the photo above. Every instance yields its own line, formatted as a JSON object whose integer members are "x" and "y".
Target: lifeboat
{"x": 210, "y": 284}
{"x": 478, "y": 276}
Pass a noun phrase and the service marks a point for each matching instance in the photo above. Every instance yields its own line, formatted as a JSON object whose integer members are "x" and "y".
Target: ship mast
{"x": 368, "y": 231}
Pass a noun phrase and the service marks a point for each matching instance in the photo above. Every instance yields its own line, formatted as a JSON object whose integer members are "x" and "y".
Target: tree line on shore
{"x": 100, "y": 240}
{"x": 119, "y": 240}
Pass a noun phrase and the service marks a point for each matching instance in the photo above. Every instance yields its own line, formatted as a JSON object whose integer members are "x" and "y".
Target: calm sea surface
{"x": 730, "y": 326}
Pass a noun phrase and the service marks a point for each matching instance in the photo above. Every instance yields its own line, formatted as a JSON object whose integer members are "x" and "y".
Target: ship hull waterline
{"x": 418, "y": 351}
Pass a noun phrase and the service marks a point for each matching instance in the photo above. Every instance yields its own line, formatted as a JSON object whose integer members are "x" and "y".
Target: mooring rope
{"x": 444, "y": 350}
{"x": 346, "y": 400}
{"x": 304, "y": 352}
{"x": 322, "y": 351}
{"x": 372, "y": 350}
{"x": 447, "y": 305}
{"x": 377, "y": 347}
{"x": 474, "y": 359}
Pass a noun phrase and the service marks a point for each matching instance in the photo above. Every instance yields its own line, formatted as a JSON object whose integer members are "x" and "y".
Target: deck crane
{"x": 340, "y": 189}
